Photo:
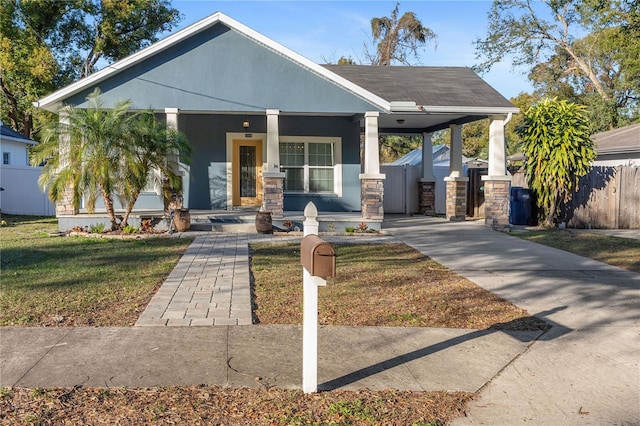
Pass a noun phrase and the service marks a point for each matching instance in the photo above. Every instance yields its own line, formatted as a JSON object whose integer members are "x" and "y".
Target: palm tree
{"x": 104, "y": 152}
{"x": 84, "y": 153}
{"x": 398, "y": 38}
{"x": 157, "y": 151}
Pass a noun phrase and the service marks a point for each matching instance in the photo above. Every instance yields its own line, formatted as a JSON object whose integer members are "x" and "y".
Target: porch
{"x": 222, "y": 220}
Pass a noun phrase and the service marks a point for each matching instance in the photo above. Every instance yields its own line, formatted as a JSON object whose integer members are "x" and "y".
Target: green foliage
{"x": 129, "y": 229}
{"x": 97, "y": 228}
{"x": 352, "y": 410}
{"x": 559, "y": 151}
{"x": 396, "y": 38}
{"x": 47, "y": 44}
{"x": 393, "y": 147}
{"x": 584, "y": 51}
{"x": 106, "y": 152}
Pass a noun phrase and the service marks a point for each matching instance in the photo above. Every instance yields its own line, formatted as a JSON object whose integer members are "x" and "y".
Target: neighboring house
{"x": 618, "y": 147}
{"x": 19, "y": 181}
{"x": 271, "y": 129}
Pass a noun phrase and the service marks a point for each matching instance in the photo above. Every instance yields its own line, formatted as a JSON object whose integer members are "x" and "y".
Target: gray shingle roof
{"x": 624, "y": 139}
{"x": 428, "y": 86}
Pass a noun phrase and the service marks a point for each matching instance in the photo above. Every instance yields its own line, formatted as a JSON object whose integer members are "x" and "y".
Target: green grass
{"x": 47, "y": 279}
{"x": 621, "y": 252}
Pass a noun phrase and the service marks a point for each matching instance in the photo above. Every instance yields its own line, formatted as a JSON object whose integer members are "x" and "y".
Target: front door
{"x": 247, "y": 172}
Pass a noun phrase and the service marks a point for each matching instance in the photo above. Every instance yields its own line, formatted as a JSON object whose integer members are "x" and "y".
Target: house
{"x": 271, "y": 129}
{"x": 618, "y": 147}
{"x": 19, "y": 181}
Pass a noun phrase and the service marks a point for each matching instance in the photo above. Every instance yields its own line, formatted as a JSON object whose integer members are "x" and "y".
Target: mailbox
{"x": 318, "y": 257}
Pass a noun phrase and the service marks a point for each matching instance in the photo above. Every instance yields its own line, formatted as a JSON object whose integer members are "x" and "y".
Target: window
{"x": 309, "y": 164}
{"x": 6, "y": 158}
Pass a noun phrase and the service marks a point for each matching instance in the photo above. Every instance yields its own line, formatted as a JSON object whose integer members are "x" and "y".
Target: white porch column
{"x": 497, "y": 149}
{"x": 273, "y": 178}
{"x": 371, "y": 181}
{"x": 497, "y": 185}
{"x": 427, "y": 157}
{"x": 371, "y": 148}
{"x": 455, "y": 153}
{"x": 273, "y": 142}
{"x": 427, "y": 183}
{"x": 171, "y": 116}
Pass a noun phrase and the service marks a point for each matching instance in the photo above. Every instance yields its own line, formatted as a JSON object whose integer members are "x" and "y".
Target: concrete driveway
{"x": 586, "y": 369}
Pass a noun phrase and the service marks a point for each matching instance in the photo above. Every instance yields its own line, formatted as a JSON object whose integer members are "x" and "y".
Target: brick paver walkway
{"x": 210, "y": 285}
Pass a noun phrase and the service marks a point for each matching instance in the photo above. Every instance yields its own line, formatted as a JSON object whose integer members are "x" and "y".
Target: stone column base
{"x": 456, "y": 204}
{"x": 273, "y": 197}
{"x": 427, "y": 198}
{"x": 371, "y": 198}
{"x": 496, "y": 201}
{"x": 65, "y": 207}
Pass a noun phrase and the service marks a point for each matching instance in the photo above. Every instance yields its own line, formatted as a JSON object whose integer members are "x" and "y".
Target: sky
{"x": 323, "y": 31}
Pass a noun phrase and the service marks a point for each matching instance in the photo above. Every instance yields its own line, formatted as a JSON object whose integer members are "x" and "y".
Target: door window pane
{"x": 248, "y": 178}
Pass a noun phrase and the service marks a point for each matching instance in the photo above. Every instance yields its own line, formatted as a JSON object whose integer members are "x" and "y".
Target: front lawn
{"x": 621, "y": 252}
{"x": 49, "y": 280}
{"x": 378, "y": 285}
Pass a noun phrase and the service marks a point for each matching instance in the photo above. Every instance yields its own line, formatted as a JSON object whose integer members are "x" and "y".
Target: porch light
{"x": 245, "y": 124}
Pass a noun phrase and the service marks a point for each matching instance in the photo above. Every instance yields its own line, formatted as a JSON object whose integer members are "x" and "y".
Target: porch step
{"x": 225, "y": 222}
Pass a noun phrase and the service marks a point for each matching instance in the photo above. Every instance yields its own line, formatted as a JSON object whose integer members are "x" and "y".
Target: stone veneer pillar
{"x": 456, "y": 203}
{"x": 273, "y": 195}
{"x": 371, "y": 198}
{"x": 65, "y": 206}
{"x": 427, "y": 197}
{"x": 496, "y": 202}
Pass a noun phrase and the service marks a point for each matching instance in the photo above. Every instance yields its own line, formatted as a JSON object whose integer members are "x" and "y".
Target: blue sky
{"x": 323, "y": 31}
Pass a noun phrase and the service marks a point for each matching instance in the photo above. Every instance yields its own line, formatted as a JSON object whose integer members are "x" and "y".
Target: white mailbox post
{"x": 310, "y": 310}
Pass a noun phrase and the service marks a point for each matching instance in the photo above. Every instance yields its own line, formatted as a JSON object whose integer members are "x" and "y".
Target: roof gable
{"x": 218, "y": 64}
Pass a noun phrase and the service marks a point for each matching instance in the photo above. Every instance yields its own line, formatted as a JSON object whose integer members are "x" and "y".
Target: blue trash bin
{"x": 520, "y": 206}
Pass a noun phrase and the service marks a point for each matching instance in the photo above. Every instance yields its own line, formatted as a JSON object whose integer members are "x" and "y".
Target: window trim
{"x": 337, "y": 167}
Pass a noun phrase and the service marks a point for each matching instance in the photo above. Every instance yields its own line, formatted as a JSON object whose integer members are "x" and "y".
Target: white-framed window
{"x": 311, "y": 164}
{"x": 6, "y": 158}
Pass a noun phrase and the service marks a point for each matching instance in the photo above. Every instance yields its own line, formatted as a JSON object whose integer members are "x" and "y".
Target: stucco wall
{"x": 207, "y": 136}
{"x": 222, "y": 70}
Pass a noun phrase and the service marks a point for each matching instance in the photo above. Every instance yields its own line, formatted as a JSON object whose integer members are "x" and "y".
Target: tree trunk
{"x": 108, "y": 204}
{"x": 128, "y": 210}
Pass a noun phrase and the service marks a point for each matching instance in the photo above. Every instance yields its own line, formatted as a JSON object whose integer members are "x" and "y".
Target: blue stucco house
{"x": 271, "y": 129}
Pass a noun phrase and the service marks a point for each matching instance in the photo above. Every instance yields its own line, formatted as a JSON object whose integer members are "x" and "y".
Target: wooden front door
{"x": 247, "y": 172}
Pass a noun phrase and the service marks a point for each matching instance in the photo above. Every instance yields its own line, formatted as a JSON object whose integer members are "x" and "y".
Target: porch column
{"x": 497, "y": 184}
{"x": 456, "y": 203}
{"x": 427, "y": 183}
{"x": 182, "y": 170}
{"x": 65, "y": 206}
{"x": 273, "y": 178}
{"x": 371, "y": 181}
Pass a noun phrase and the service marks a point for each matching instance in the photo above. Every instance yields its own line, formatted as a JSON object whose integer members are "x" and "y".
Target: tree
{"x": 398, "y": 38}
{"x": 586, "y": 47}
{"x": 47, "y": 44}
{"x": 559, "y": 151}
{"x": 104, "y": 152}
{"x": 156, "y": 153}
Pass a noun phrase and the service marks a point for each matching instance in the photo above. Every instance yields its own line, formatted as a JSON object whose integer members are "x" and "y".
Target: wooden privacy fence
{"x": 607, "y": 198}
